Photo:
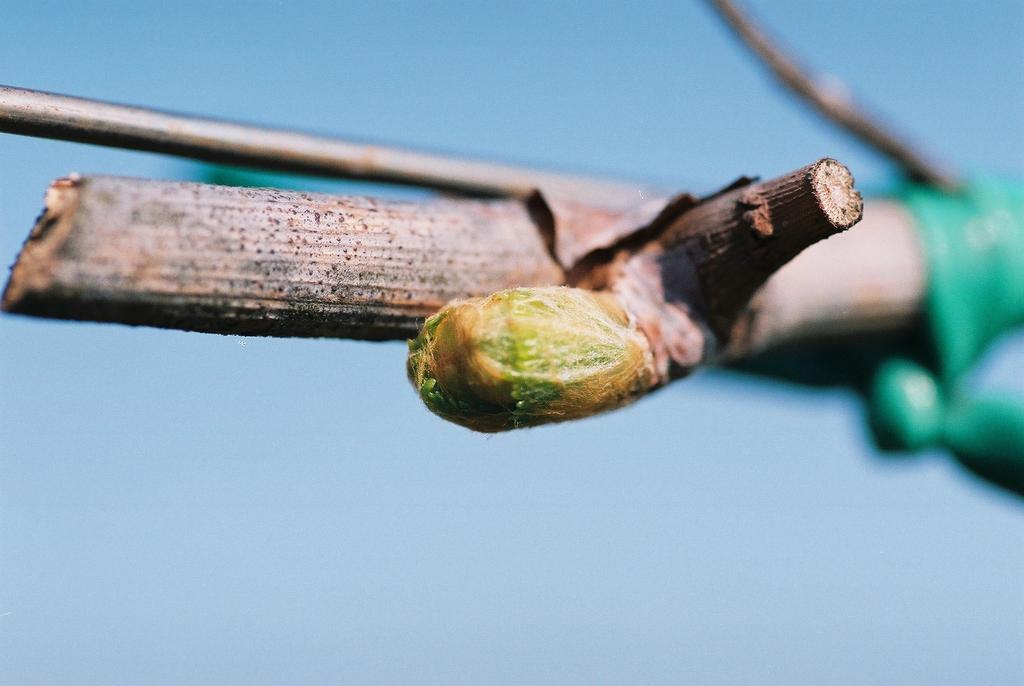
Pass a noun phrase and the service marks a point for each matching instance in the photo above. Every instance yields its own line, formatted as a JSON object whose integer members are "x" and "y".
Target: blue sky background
{"x": 187, "y": 508}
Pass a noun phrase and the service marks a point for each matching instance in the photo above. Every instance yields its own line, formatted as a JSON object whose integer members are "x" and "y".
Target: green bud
{"x": 529, "y": 356}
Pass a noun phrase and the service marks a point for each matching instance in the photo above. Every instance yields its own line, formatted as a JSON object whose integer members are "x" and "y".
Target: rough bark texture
{"x": 267, "y": 262}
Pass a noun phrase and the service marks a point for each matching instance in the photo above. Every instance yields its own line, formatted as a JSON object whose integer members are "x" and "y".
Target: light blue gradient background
{"x": 186, "y": 508}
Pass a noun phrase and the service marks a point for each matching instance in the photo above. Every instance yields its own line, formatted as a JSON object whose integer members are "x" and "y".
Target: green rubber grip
{"x": 974, "y": 247}
{"x": 986, "y": 433}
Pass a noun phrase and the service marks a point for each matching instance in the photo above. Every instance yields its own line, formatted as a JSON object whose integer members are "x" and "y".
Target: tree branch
{"x": 270, "y": 262}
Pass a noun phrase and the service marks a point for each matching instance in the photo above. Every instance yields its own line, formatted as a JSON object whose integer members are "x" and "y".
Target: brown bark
{"x": 266, "y": 262}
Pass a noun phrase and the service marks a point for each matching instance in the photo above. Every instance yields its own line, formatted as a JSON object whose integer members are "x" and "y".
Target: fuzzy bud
{"x": 529, "y": 356}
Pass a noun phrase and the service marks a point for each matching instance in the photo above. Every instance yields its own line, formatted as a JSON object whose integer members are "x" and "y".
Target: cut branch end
{"x": 738, "y": 239}
{"x": 832, "y": 186}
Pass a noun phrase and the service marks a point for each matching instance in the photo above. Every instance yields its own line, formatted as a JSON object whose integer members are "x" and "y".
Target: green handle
{"x": 986, "y": 433}
{"x": 908, "y": 411}
{"x": 973, "y": 242}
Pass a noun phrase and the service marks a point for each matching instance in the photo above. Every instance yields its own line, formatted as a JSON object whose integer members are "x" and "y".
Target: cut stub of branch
{"x": 266, "y": 262}
{"x": 744, "y": 236}
{"x": 861, "y": 284}
{"x": 688, "y": 287}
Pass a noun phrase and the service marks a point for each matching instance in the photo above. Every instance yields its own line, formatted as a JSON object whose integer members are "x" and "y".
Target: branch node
{"x": 758, "y": 216}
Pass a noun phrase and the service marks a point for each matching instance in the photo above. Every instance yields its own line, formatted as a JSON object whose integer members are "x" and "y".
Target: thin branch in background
{"x": 832, "y": 102}
{"x": 49, "y": 115}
